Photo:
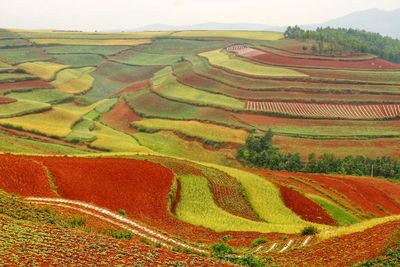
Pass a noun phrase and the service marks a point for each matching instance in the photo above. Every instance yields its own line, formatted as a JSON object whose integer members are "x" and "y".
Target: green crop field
{"x": 168, "y": 143}
{"x": 195, "y": 129}
{"x": 79, "y": 60}
{"x": 165, "y": 84}
{"x": 151, "y": 105}
{"x": 237, "y": 65}
{"x": 55, "y": 122}
{"x": 83, "y": 49}
{"x": 145, "y": 59}
{"x": 14, "y": 77}
{"x": 50, "y": 96}
{"x": 74, "y": 81}
{"x": 75, "y": 41}
{"x": 44, "y": 70}
{"x": 341, "y": 216}
{"x": 21, "y": 107}
{"x": 23, "y": 54}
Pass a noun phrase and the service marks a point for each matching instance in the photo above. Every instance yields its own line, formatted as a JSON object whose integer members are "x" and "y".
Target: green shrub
{"x": 258, "y": 242}
{"x": 221, "y": 250}
{"x": 123, "y": 234}
{"x": 122, "y": 212}
{"x": 309, "y": 230}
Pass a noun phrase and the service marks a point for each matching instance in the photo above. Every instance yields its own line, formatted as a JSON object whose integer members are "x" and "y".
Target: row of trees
{"x": 259, "y": 152}
{"x": 337, "y": 41}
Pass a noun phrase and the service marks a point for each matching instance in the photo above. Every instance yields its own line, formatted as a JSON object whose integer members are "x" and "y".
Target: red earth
{"x": 342, "y": 251}
{"x": 304, "y": 207}
{"x": 270, "y": 58}
{"x": 24, "y": 176}
{"x": 25, "y": 85}
{"x": 120, "y": 117}
{"x": 6, "y": 100}
{"x": 134, "y": 87}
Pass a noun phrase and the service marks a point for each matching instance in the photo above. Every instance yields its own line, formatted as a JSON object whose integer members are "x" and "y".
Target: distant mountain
{"x": 212, "y": 26}
{"x": 374, "y": 20}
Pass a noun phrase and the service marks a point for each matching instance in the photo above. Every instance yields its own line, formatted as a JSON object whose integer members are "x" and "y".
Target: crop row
{"x": 327, "y": 110}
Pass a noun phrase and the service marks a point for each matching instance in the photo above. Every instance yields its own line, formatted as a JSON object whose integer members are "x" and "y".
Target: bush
{"x": 76, "y": 222}
{"x": 221, "y": 250}
{"x": 122, "y": 212}
{"x": 124, "y": 234}
{"x": 251, "y": 261}
{"x": 258, "y": 242}
{"x": 309, "y": 230}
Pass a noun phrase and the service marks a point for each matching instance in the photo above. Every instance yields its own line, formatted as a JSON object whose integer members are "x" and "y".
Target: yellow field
{"x": 44, "y": 70}
{"x": 201, "y": 130}
{"x": 130, "y": 42}
{"x": 80, "y": 110}
{"x": 235, "y": 64}
{"x": 253, "y": 35}
{"x": 109, "y": 139}
{"x": 74, "y": 81}
{"x": 55, "y": 122}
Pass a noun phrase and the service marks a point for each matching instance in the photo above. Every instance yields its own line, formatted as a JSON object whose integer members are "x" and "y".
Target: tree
{"x": 305, "y": 48}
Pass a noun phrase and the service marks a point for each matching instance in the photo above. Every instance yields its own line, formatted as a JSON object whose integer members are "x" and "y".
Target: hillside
{"x": 136, "y": 136}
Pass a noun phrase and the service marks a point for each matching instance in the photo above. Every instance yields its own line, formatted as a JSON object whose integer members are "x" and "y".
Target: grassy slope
{"x": 74, "y": 81}
{"x": 21, "y": 107}
{"x": 166, "y": 85}
{"x": 50, "y": 96}
{"x": 170, "y": 144}
{"x": 44, "y": 70}
{"x": 201, "y": 130}
{"x": 221, "y": 59}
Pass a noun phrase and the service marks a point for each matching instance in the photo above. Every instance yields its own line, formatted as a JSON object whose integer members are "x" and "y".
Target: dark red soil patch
{"x": 341, "y": 251}
{"x": 6, "y": 100}
{"x": 372, "y": 64}
{"x": 134, "y": 87}
{"x": 25, "y": 85}
{"x": 24, "y": 176}
{"x": 120, "y": 117}
{"x": 304, "y": 207}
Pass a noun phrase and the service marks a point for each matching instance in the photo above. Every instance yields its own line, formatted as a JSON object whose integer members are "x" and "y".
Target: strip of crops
{"x": 274, "y": 59}
{"x": 112, "y": 42}
{"x": 327, "y": 110}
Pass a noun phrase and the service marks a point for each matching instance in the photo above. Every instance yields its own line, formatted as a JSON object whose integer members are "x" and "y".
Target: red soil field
{"x": 366, "y": 196}
{"x": 120, "y": 117}
{"x": 6, "y": 100}
{"x": 342, "y": 251}
{"x": 346, "y": 111}
{"x": 273, "y": 59}
{"x": 140, "y": 188}
{"x": 24, "y": 176}
{"x": 25, "y": 85}
{"x": 304, "y": 207}
{"x": 65, "y": 246}
{"x": 134, "y": 87}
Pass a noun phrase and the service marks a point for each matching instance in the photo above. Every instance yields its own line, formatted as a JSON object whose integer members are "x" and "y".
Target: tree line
{"x": 338, "y": 41}
{"x": 259, "y": 152}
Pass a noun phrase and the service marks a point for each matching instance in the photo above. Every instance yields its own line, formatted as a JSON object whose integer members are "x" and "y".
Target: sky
{"x": 90, "y": 15}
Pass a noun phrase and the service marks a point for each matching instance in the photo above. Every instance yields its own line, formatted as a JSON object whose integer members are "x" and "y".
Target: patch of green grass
{"x": 168, "y": 143}
{"x": 149, "y": 104}
{"x": 84, "y": 49}
{"x": 13, "y": 77}
{"x": 14, "y": 144}
{"x": 81, "y": 132}
{"x": 145, "y": 59}
{"x": 195, "y": 129}
{"x": 108, "y": 139}
{"x": 21, "y": 107}
{"x": 231, "y": 62}
{"x": 51, "y": 96}
{"x": 23, "y": 54}
{"x": 165, "y": 84}
{"x": 341, "y": 216}
{"x": 79, "y": 60}
{"x": 112, "y": 77}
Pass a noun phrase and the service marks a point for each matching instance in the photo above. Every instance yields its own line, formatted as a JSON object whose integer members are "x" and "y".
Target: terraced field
{"x": 155, "y": 120}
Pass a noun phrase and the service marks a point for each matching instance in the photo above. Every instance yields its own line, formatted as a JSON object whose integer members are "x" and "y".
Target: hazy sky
{"x": 131, "y": 14}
